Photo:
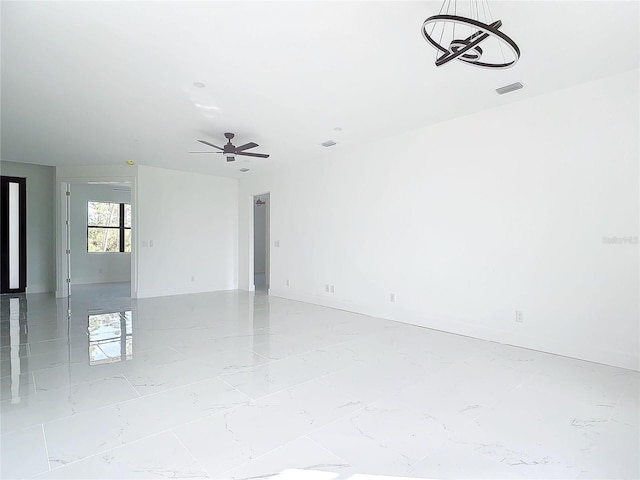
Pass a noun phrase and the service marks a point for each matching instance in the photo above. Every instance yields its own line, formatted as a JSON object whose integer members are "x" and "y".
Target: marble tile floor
{"x": 232, "y": 385}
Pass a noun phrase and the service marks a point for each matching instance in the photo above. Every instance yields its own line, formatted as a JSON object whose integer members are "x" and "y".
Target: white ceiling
{"x": 106, "y": 82}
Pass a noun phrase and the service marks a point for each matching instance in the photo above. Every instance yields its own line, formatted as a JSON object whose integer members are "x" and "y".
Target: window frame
{"x": 121, "y": 225}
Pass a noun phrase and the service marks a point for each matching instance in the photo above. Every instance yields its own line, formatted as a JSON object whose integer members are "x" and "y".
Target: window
{"x": 108, "y": 227}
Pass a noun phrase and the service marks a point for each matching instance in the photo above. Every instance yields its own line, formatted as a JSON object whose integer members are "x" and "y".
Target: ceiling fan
{"x": 230, "y": 150}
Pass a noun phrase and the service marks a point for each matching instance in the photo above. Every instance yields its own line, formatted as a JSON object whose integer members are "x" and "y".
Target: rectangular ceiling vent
{"x": 328, "y": 143}
{"x": 509, "y": 88}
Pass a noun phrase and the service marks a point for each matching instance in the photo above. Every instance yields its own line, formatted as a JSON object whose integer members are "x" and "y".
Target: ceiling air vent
{"x": 328, "y": 143}
{"x": 509, "y": 88}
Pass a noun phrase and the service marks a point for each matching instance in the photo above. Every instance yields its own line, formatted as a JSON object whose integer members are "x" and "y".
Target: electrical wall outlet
{"x": 287, "y": 282}
{"x": 333, "y": 288}
{"x": 392, "y": 297}
{"x": 326, "y": 288}
{"x": 519, "y": 316}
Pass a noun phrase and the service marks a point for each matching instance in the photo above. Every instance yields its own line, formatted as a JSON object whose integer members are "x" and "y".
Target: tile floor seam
{"x": 298, "y": 384}
{"x": 249, "y": 399}
{"x": 615, "y": 407}
{"x": 269, "y": 360}
{"x": 274, "y": 360}
{"x": 222, "y": 411}
{"x": 177, "y": 351}
{"x": 134, "y": 388}
{"x": 326, "y": 449}
{"x": 35, "y": 386}
{"x": 101, "y": 452}
{"x": 120, "y": 403}
{"x": 252, "y": 459}
{"x": 57, "y": 365}
{"x": 190, "y": 453}
{"x": 46, "y": 447}
{"x": 346, "y": 415}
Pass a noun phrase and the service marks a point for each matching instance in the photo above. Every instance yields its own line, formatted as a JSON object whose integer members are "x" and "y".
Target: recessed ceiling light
{"x": 244, "y": 170}
{"x": 199, "y": 84}
{"x": 337, "y": 129}
{"x": 328, "y": 143}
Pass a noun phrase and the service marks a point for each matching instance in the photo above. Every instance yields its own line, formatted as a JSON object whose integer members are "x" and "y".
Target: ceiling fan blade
{"x": 246, "y": 146}
{"x": 211, "y": 144}
{"x": 248, "y": 154}
{"x": 205, "y": 152}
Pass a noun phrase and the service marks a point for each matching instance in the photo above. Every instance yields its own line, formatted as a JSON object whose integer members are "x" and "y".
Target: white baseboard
{"x": 100, "y": 279}
{"x": 39, "y": 289}
{"x": 167, "y": 292}
{"x": 449, "y": 325}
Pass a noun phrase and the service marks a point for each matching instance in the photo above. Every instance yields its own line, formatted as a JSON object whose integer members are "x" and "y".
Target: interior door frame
{"x": 62, "y": 240}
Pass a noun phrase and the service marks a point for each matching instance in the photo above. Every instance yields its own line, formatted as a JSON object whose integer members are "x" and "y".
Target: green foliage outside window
{"x": 108, "y": 227}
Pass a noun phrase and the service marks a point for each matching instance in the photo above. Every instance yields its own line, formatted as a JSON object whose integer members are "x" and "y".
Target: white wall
{"x": 40, "y": 224}
{"x": 192, "y": 222}
{"x": 470, "y": 220}
{"x": 95, "y": 267}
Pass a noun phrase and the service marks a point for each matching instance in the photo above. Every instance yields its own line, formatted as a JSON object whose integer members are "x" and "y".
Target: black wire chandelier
{"x": 466, "y": 31}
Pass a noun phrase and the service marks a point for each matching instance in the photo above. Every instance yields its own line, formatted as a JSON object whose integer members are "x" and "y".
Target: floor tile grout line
{"x": 46, "y": 447}
{"x": 252, "y": 459}
{"x": 325, "y": 448}
{"x": 250, "y": 349}
{"x": 134, "y": 388}
{"x": 114, "y": 374}
{"x": 326, "y": 374}
{"x": 190, "y": 453}
{"x": 276, "y": 360}
{"x": 124, "y": 401}
{"x": 170, "y": 347}
{"x": 235, "y": 388}
{"x": 295, "y": 355}
{"x": 101, "y": 452}
{"x": 221, "y": 412}
{"x": 621, "y": 396}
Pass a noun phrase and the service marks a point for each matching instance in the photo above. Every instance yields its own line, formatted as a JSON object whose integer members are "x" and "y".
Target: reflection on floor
{"x": 260, "y": 281}
{"x": 235, "y": 385}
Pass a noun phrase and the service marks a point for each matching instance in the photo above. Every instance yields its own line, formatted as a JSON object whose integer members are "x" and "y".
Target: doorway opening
{"x": 261, "y": 260}
{"x": 96, "y": 244}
